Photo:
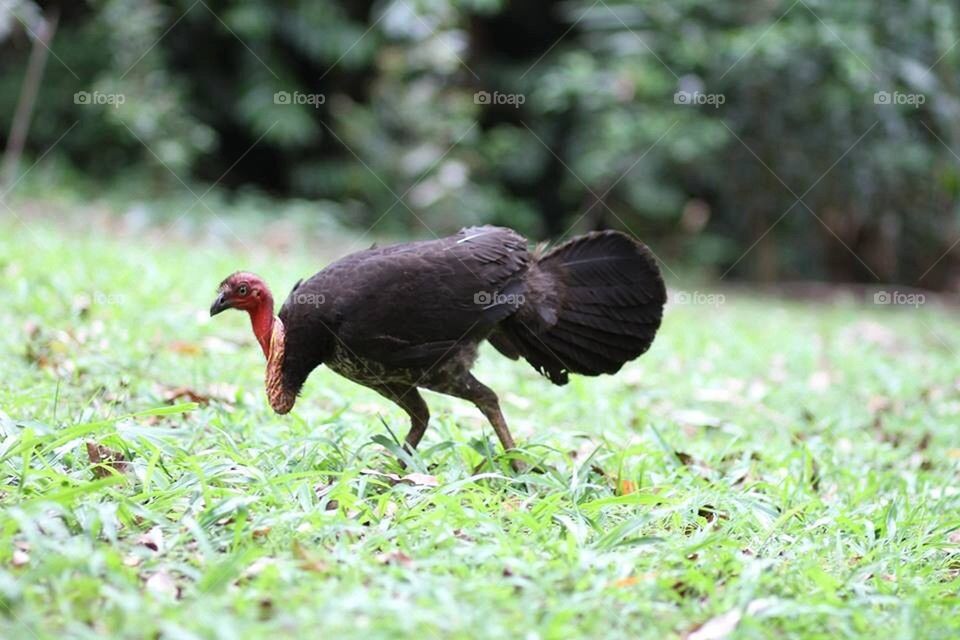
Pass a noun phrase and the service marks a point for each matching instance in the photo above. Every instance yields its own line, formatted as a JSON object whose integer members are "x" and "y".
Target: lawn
{"x": 769, "y": 468}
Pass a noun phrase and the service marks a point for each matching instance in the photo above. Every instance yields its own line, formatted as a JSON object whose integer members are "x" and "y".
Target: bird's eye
{"x": 242, "y": 290}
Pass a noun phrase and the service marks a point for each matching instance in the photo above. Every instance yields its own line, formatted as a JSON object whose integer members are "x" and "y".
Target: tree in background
{"x": 767, "y": 139}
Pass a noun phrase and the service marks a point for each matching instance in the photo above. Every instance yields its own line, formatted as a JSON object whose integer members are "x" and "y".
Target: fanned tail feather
{"x": 593, "y": 304}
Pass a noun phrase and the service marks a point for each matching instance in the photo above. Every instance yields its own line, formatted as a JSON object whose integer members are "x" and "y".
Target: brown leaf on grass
{"x": 391, "y": 478}
{"x": 416, "y": 479}
{"x": 420, "y": 479}
{"x": 152, "y": 539}
{"x": 631, "y": 580}
{"x": 626, "y": 487}
{"x": 221, "y": 393}
{"x": 175, "y": 394}
{"x": 716, "y": 628}
{"x": 261, "y": 532}
{"x": 105, "y": 459}
{"x": 710, "y": 513}
{"x": 699, "y": 467}
{"x": 322, "y": 490}
{"x": 46, "y": 350}
{"x": 162, "y": 585}
{"x": 460, "y": 534}
{"x": 307, "y": 560}
{"x": 395, "y": 557}
{"x": 185, "y": 348}
{"x": 621, "y": 486}
{"x": 684, "y": 590}
{"x": 879, "y": 404}
{"x": 511, "y": 503}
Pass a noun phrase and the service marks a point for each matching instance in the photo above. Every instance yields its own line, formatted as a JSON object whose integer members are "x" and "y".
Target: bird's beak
{"x": 220, "y": 304}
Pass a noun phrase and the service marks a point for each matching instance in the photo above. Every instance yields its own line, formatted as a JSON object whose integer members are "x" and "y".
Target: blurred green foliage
{"x": 698, "y": 123}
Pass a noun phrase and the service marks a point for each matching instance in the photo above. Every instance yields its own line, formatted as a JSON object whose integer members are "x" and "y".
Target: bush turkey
{"x": 411, "y": 316}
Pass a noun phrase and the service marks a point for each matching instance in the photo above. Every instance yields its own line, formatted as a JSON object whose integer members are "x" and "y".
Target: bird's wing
{"x": 409, "y": 305}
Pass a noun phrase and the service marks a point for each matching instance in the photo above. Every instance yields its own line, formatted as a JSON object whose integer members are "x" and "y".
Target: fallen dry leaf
{"x": 629, "y": 581}
{"x": 226, "y": 394}
{"x": 626, "y": 487}
{"x": 163, "y": 585}
{"x": 152, "y": 539}
{"x": 174, "y": 394}
{"x": 308, "y": 561}
{"x": 420, "y": 479}
{"x": 879, "y": 404}
{"x": 716, "y": 628}
{"x": 105, "y": 459}
{"x": 511, "y": 504}
{"x": 395, "y": 557}
{"x": 185, "y": 348}
{"x": 709, "y": 513}
{"x": 392, "y": 477}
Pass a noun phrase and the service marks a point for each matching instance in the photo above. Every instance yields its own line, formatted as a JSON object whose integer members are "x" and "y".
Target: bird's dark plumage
{"x": 411, "y": 316}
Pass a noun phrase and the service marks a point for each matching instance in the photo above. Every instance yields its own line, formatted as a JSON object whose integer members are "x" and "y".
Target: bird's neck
{"x": 262, "y": 319}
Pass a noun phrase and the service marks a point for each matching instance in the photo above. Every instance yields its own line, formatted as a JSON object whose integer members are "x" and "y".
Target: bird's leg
{"x": 410, "y": 400}
{"x": 469, "y": 388}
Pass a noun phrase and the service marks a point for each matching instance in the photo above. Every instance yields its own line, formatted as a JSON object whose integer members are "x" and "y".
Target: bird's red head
{"x": 248, "y": 292}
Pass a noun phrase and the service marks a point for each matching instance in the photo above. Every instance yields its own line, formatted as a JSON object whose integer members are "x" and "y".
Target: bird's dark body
{"x": 411, "y": 316}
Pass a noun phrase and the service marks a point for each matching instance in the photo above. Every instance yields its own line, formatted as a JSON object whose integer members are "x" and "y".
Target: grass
{"x": 767, "y": 469}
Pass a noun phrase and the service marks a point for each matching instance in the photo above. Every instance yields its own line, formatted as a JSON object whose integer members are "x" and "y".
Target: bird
{"x": 411, "y": 316}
